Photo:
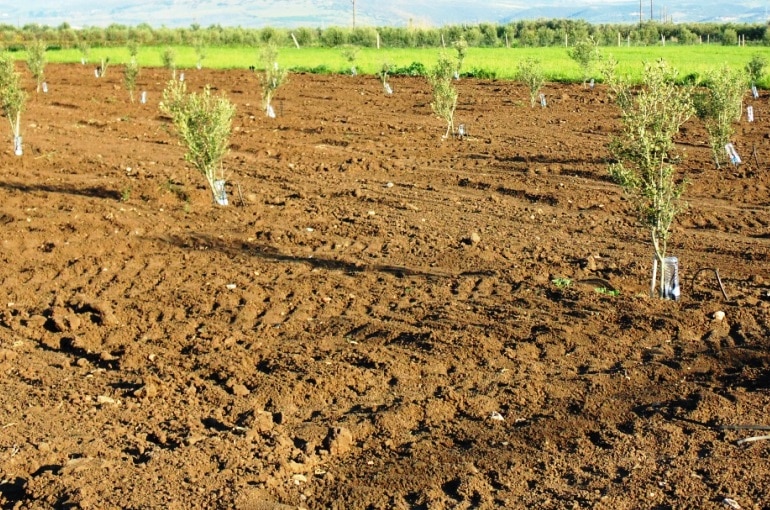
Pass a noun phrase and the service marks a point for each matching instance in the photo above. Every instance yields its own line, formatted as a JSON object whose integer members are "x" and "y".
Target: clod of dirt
{"x": 339, "y": 441}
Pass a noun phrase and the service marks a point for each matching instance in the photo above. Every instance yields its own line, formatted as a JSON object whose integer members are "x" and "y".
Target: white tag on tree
{"x": 735, "y": 159}
{"x": 750, "y": 113}
{"x": 754, "y": 92}
{"x": 542, "y": 100}
{"x": 388, "y": 89}
{"x": 270, "y": 111}
{"x": 45, "y": 88}
{"x": 143, "y": 99}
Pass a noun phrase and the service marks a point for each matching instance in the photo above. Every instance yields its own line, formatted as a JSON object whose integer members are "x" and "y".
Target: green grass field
{"x": 501, "y": 61}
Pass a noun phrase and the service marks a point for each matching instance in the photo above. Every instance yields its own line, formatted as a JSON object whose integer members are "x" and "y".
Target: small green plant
{"x": 350, "y": 53}
{"x": 607, "y": 292}
{"x": 168, "y": 57}
{"x": 130, "y": 73}
{"x": 384, "y": 74}
{"x": 102, "y": 69}
{"x": 85, "y": 51}
{"x": 645, "y": 151}
{"x": 586, "y": 54}
{"x": 204, "y": 123}
{"x": 12, "y": 98}
{"x": 36, "y": 62}
{"x": 444, "y": 93}
{"x": 756, "y": 68}
{"x": 531, "y": 74}
{"x": 133, "y": 48}
{"x": 461, "y": 47}
{"x": 200, "y": 51}
{"x": 562, "y": 283}
{"x": 125, "y": 194}
{"x": 271, "y": 78}
{"x": 720, "y": 104}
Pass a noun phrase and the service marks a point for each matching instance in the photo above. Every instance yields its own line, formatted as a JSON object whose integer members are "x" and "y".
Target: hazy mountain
{"x": 322, "y": 13}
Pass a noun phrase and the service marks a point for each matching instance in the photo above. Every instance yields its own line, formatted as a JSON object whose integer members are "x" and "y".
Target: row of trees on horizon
{"x": 524, "y": 33}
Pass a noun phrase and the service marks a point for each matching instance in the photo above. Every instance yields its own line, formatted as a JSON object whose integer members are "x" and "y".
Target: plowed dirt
{"x": 373, "y": 320}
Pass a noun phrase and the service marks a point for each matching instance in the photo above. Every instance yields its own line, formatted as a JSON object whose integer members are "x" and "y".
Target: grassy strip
{"x": 500, "y": 62}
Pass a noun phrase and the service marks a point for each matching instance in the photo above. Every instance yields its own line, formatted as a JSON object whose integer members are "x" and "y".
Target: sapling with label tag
{"x": 586, "y": 54}
{"x": 444, "y": 92}
{"x": 12, "y": 98}
{"x": 203, "y": 122}
{"x": 36, "y": 62}
{"x": 350, "y": 53}
{"x": 383, "y": 75}
{"x": 461, "y": 47}
{"x": 271, "y": 78}
{"x": 720, "y": 104}
{"x": 531, "y": 74}
{"x": 200, "y": 51}
{"x": 645, "y": 152}
{"x": 130, "y": 72}
{"x": 755, "y": 68}
{"x": 168, "y": 57}
{"x": 85, "y": 51}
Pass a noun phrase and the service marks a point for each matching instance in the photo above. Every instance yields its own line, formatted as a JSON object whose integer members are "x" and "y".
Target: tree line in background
{"x": 524, "y": 33}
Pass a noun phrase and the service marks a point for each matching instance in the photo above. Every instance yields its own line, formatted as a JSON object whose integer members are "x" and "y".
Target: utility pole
{"x": 650, "y": 10}
{"x": 640, "y": 13}
{"x": 354, "y": 12}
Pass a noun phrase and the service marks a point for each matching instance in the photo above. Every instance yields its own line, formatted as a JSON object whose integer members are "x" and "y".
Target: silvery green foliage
{"x": 203, "y": 122}
{"x": 12, "y": 96}
{"x": 720, "y": 104}
{"x": 272, "y": 77}
{"x": 645, "y": 150}
{"x": 586, "y": 54}
{"x": 36, "y": 62}
{"x": 444, "y": 92}
{"x": 531, "y": 74}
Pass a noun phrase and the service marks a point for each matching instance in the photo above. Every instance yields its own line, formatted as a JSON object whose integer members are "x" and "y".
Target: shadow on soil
{"x": 271, "y": 253}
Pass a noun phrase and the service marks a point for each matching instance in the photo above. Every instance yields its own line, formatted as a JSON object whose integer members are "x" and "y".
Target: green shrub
{"x": 586, "y": 54}
{"x": 12, "y": 97}
{"x": 756, "y": 68}
{"x": 645, "y": 151}
{"x": 531, "y": 74}
{"x": 444, "y": 92}
{"x": 203, "y": 123}
{"x": 130, "y": 73}
{"x": 719, "y": 103}
{"x": 272, "y": 77}
{"x": 168, "y": 57}
{"x": 36, "y": 62}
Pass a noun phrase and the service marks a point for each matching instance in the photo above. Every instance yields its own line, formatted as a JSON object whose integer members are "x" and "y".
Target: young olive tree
{"x": 36, "y": 62}
{"x": 168, "y": 57}
{"x": 133, "y": 48}
{"x": 271, "y": 78}
{"x": 645, "y": 151}
{"x": 720, "y": 104}
{"x": 204, "y": 123}
{"x": 350, "y": 53}
{"x": 461, "y": 47}
{"x": 200, "y": 51}
{"x": 756, "y": 68}
{"x": 383, "y": 75}
{"x": 586, "y": 54}
{"x": 85, "y": 51}
{"x": 444, "y": 92}
{"x": 130, "y": 73}
{"x": 12, "y": 98}
{"x": 531, "y": 74}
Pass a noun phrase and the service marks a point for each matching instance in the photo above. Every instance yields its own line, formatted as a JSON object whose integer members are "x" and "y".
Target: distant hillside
{"x": 324, "y": 13}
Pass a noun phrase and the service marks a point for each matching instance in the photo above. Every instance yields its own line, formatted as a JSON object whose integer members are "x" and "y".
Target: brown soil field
{"x": 372, "y": 322}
